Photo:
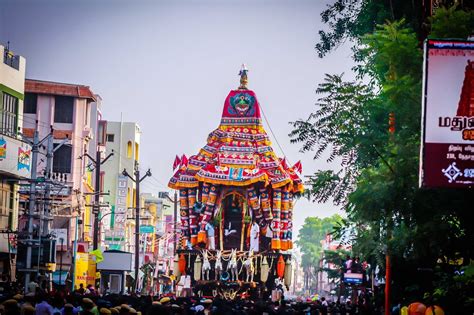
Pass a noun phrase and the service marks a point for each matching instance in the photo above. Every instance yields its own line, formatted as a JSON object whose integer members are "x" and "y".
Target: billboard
{"x": 447, "y": 152}
{"x": 353, "y": 278}
{"x": 116, "y": 260}
{"x": 85, "y": 269}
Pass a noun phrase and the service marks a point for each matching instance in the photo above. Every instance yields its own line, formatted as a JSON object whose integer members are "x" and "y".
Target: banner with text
{"x": 447, "y": 155}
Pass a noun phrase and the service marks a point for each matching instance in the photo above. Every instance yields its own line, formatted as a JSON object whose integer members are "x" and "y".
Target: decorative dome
{"x": 238, "y": 152}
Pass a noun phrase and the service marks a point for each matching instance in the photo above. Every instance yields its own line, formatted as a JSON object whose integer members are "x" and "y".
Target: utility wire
{"x": 273, "y": 134}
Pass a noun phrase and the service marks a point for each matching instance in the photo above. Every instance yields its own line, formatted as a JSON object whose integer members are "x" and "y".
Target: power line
{"x": 273, "y": 134}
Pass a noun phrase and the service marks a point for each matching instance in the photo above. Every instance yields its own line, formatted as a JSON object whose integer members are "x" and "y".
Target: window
{"x": 136, "y": 151}
{"x": 62, "y": 159}
{"x": 30, "y": 102}
{"x": 102, "y": 132}
{"x": 110, "y": 137}
{"x": 129, "y": 149}
{"x": 63, "y": 109}
{"x": 8, "y": 115}
{"x": 6, "y": 205}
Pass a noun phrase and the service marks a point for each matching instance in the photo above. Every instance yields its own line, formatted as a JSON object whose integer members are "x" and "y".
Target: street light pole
{"x": 137, "y": 180}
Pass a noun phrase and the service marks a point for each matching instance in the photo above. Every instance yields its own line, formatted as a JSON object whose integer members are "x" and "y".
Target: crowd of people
{"x": 79, "y": 305}
{"x": 89, "y": 302}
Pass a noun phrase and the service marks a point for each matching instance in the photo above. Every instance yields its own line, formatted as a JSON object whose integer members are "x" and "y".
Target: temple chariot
{"x": 236, "y": 206}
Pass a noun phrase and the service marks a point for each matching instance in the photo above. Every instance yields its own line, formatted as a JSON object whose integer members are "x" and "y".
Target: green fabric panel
{"x": 11, "y": 91}
{"x": 112, "y": 219}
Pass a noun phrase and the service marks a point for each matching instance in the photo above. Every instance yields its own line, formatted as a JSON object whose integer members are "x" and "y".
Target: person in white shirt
{"x": 254, "y": 237}
{"x": 211, "y": 240}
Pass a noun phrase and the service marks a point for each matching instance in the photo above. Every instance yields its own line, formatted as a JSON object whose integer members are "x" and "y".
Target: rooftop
{"x": 57, "y": 88}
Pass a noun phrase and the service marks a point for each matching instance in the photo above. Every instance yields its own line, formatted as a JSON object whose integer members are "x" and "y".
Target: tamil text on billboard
{"x": 448, "y": 115}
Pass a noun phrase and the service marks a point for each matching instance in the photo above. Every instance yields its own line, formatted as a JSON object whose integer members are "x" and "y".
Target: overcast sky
{"x": 169, "y": 65}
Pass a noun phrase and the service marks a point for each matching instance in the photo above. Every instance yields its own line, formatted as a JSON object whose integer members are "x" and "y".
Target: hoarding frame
{"x": 443, "y": 44}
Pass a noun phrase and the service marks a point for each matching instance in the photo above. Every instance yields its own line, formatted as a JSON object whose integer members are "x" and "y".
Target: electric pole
{"x": 137, "y": 180}
{"x": 50, "y": 149}
{"x": 32, "y": 203}
{"x": 97, "y": 193}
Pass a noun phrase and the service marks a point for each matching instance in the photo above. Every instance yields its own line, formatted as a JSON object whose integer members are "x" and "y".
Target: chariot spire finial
{"x": 243, "y": 77}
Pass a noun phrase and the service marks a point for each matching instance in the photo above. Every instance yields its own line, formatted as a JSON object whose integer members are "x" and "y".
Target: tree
{"x": 377, "y": 184}
{"x": 352, "y": 19}
{"x": 313, "y": 231}
{"x": 334, "y": 260}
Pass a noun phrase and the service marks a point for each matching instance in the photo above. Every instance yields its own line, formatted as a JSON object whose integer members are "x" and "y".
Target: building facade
{"x": 15, "y": 154}
{"x": 70, "y": 112}
{"x": 123, "y": 138}
{"x": 157, "y": 246}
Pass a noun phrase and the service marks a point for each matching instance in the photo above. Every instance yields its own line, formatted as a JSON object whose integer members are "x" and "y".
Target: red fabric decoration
{"x": 280, "y": 267}
{"x": 298, "y": 167}
{"x": 184, "y": 160}
{"x": 182, "y": 264}
{"x": 176, "y": 162}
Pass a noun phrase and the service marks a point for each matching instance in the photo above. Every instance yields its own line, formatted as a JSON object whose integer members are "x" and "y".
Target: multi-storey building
{"x": 71, "y": 113}
{"x": 15, "y": 154}
{"x": 158, "y": 247}
{"x": 161, "y": 210}
{"x": 117, "y": 231}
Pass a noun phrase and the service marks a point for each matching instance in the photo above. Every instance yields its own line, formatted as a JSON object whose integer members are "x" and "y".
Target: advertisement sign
{"x": 59, "y": 234}
{"x": 15, "y": 157}
{"x": 24, "y": 157}
{"x": 121, "y": 261}
{"x": 147, "y": 229}
{"x": 353, "y": 278}
{"x": 85, "y": 269}
{"x": 115, "y": 238}
{"x": 8, "y": 243}
{"x": 447, "y": 155}
{"x": 3, "y": 148}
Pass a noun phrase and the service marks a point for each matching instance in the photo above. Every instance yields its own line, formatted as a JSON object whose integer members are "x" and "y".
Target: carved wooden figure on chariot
{"x": 232, "y": 266}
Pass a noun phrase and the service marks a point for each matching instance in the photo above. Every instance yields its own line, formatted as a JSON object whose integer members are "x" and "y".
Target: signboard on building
{"x": 8, "y": 243}
{"x": 15, "y": 157}
{"x": 447, "y": 155}
{"x": 60, "y": 234}
{"x": 115, "y": 238}
{"x": 353, "y": 278}
{"x": 85, "y": 269}
{"x": 116, "y": 260}
{"x": 148, "y": 229}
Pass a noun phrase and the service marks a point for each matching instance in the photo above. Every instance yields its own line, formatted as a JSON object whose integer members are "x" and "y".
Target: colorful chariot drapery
{"x": 238, "y": 154}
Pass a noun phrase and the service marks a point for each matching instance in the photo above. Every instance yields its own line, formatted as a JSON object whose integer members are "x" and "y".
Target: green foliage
{"x": 442, "y": 25}
{"x": 377, "y": 184}
{"x": 454, "y": 287}
{"x": 352, "y": 19}
{"x": 311, "y": 234}
{"x": 335, "y": 260}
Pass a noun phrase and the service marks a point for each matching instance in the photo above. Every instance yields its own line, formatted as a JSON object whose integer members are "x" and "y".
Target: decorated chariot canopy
{"x": 236, "y": 191}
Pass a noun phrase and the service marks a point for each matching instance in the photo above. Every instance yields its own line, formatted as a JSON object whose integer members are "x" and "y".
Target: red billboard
{"x": 447, "y": 152}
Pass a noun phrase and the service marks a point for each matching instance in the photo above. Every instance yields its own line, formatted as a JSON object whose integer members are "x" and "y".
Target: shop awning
{"x": 60, "y": 274}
